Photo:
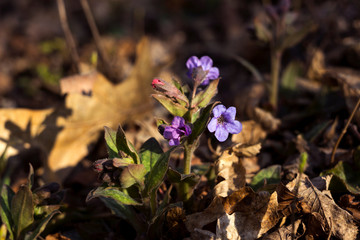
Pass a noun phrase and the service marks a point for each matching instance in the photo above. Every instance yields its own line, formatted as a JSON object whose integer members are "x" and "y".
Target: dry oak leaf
{"x": 336, "y": 221}
{"x": 65, "y": 133}
{"x": 255, "y": 215}
{"x": 229, "y": 167}
{"x": 251, "y": 134}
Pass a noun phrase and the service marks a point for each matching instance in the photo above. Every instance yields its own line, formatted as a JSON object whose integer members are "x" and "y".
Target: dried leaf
{"x": 243, "y": 150}
{"x": 230, "y": 168}
{"x": 65, "y": 133}
{"x": 338, "y": 222}
{"x": 252, "y": 133}
{"x": 254, "y": 217}
{"x": 267, "y": 120}
{"x": 78, "y": 83}
{"x": 285, "y": 232}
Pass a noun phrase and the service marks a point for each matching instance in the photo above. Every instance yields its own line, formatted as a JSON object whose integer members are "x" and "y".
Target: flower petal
{"x": 177, "y": 122}
{"x": 233, "y": 127}
{"x": 174, "y": 142}
{"x": 193, "y": 62}
{"x": 213, "y": 73}
{"x": 230, "y": 114}
{"x": 218, "y": 110}
{"x": 212, "y": 125}
{"x": 221, "y": 134}
{"x": 170, "y": 133}
{"x": 187, "y": 130}
{"x": 206, "y": 62}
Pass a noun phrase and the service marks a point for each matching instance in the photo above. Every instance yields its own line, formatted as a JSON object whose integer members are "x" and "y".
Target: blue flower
{"x": 206, "y": 63}
{"x": 223, "y": 122}
{"x": 176, "y": 130}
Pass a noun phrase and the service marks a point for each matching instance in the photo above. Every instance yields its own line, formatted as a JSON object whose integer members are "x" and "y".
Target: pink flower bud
{"x": 156, "y": 82}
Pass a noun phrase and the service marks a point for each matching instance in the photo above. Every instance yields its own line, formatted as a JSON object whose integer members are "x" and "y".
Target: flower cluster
{"x": 176, "y": 130}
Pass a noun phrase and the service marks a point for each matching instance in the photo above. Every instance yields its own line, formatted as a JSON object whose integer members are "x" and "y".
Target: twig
{"x": 68, "y": 36}
{"x": 332, "y": 161}
{"x": 95, "y": 33}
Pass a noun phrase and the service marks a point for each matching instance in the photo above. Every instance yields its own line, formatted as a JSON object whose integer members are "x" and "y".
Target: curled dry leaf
{"x": 336, "y": 221}
{"x": 230, "y": 168}
{"x": 252, "y": 218}
{"x": 65, "y": 133}
{"x": 285, "y": 232}
{"x": 267, "y": 120}
{"x": 252, "y": 133}
{"x": 243, "y": 150}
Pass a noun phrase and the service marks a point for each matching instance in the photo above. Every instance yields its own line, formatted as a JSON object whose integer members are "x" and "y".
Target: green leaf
{"x": 134, "y": 173}
{"x": 112, "y": 193}
{"x": 40, "y": 227}
{"x": 125, "y": 212}
{"x": 157, "y": 173}
{"x": 270, "y": 174}
{"x": 150, "y": 152}
{"x": 3, "y": 232}
{"x": 204, "y": 97}
{"x": 261, "y": 31}
{"x": 176, "y": 177}
{"x": 5, "y": 211}
{"x": 110, "y": 138}
{"x": 22, "y": 210}
{"x": 126, "y": 146}
{"x": 345, "y": 176}
{"x": 160, "y": 122}
{"x": 201, "y": 122}
{"x": 173, "y": 107}
{"x": 294, "y": 37}
{"x": 291, "y": 72}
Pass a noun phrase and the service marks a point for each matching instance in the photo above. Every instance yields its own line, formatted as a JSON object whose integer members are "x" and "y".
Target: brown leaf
{"x": 252, "y": 133}
{"x": 65, "y": 133}
{"x": 56, "y": 236}
{"x": 230, "y": 168}
{"x": 243, "y": 150}
{"x": 197, "y": 220}
{"x": 266, "y": 119}
{"x": 285, "y": 232}
{"x": 78, "y": 83}
{"x": 256, "y": 217}
{"x": 336, "y": 221}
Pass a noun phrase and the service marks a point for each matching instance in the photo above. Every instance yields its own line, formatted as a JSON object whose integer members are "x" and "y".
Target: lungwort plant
{"x": 131, "y": 177}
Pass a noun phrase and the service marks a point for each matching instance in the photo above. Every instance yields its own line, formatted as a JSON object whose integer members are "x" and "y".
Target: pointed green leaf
{"x": 134, "y": 173}
{"x": 150, "y": 152}
{"x": 203, "y": 98}
{"x": 122, "y": 162}
{"x": 113, "y": 193}
{"x": 292, "y": 71}
{"x": 110, "y": 138}
{"x": 22, "y": 210}
{"x": 40, "y": 227}
{"x": 3, "y": 232}
{"x": 157, "y": 173}
{"x": 201, "y": 123}
{"x": 5, "y": 208}
{"x": 270, "y": 175}
{"x": 346, "y": 176}
{"x": 126, "y": 146}
{"x": 173, "y": 107}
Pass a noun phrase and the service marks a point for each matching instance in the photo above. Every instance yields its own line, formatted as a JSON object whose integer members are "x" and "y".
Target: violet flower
{"x": 223, "y": 122}
{"x": 176, "y": 130}
{"x": 206, "y": 63}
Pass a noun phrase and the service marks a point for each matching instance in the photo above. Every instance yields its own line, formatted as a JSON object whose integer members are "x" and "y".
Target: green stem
{"x": 275, "y": 72}
{"x": 153, "y": 203}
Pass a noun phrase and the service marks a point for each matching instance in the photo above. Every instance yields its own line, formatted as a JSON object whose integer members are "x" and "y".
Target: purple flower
{"x": 176, "y": 130}
{"x": 223, "y": 122}
{"x": 206, "y": 63}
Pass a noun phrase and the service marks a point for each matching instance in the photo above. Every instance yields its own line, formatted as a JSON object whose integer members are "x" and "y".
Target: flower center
{"x": 220, "y": 120}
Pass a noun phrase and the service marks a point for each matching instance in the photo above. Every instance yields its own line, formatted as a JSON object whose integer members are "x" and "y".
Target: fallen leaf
{"x": 78, "y": 83}
{"x": 65, "y": 133}
{"x": 266, "y": 119}
{"x": 336, "y": 221}
{"x": 285, "y": 232}
{"x": 252, "y": 219}
{"x": 252, "y": 133}
{"x": 230, "y": 168}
